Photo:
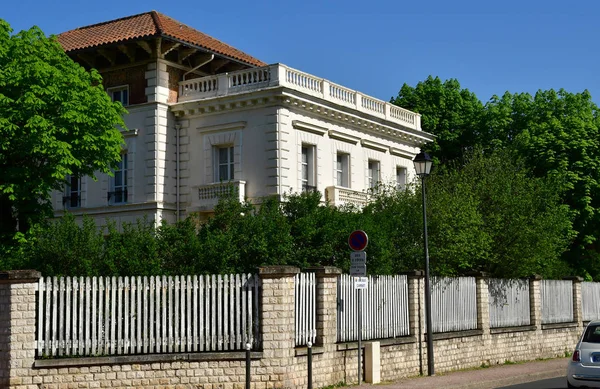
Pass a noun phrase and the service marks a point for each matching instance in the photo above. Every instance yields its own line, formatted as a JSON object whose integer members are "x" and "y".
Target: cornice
{"x": 281, "y": 96}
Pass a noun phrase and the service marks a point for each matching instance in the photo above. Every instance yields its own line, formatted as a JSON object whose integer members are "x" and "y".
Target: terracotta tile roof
{"x": 149, "y": 24}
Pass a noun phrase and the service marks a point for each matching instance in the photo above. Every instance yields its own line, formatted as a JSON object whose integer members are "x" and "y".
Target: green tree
{"x": 449, "y": 112}
{"x": 64, "y": 248}
{"x": 556, "y": 133}
{"x": 491, "y": 214}
{"x": 55, "y": 120}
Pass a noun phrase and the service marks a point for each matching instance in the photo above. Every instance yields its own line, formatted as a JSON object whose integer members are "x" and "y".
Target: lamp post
{"x": 423, "y": 164}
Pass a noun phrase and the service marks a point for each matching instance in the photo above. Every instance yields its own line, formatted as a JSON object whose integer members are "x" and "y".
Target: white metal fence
{"x": 306, "y": 310}
{"x": 453, "y": 304}
{"x": 89, "y": 316}
{"x": 557, "y": 301}
{"x": 590, "y": 300}
{"x": 509, "y": 302}
{"x": 384, "y": 308}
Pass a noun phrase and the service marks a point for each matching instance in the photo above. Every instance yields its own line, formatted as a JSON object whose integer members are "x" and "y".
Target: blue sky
{"x": 375, "y": 46}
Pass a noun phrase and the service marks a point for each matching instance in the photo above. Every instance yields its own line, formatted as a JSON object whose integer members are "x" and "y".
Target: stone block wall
{"x": 279, "y": 364}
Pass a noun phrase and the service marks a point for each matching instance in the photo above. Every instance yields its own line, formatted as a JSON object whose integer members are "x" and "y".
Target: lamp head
{"x": 423, "y": 163}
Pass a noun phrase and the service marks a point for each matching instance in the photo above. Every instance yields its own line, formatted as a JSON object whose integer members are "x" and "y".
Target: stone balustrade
{"x": 340, "y": 196}
{"x": 279, "y": 75}
{"x": 209, "y": 195}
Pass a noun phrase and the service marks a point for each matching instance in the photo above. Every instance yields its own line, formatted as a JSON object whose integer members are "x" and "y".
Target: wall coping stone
{"x": 573, "y": 278}
{"x": 382, "y": 342}
{"x": 478, "y": 274}
{"x": 414, "y": 273}
{"x": 456, "y": 334}
{"x": 303, "y": 351}
{"x": 553, "y": 326}
{"x": 504, "y": 330}
{"x": 277, "y": 271}
{"x": 19, "y": 276}
{"x": 149, "y": 358}
{"x": 535, "y": 277}
{"x": 324, "y": 271}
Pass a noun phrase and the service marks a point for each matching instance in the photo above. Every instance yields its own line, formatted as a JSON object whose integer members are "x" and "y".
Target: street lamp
{"x": 423, "y": 164}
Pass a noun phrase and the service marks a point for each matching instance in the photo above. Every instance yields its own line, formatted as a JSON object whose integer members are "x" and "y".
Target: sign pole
{"x": 359, "y": 291}
{"x": 358, "y": 241}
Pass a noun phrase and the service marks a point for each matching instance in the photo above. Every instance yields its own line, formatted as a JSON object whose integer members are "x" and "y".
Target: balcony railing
{"x": 280, "y": 75}
{"x": 338, "y": 196}
{"x": 72, "y": 200}
{"x": 208, "y": 195}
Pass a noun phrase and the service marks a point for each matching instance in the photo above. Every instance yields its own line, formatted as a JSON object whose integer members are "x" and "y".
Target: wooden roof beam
{"x": 129, "y": 51}
{"x": 184, "y": 53}
{"x": 146, "y": 46}
{"x": 167, "y": 47}
{"x": 110, "y": 55}
{"x": 217, "y": 64}
{"x": 88, "y": 58}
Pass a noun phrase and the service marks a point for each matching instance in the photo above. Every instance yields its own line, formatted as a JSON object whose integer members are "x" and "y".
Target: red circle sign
{"x": 358, "y": 240}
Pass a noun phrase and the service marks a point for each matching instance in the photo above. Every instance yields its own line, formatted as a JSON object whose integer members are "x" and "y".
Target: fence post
{"x": 17, "y": 326}
{"x": 278, "y": 323}
{"x": 577, "y": 306}
{"x": 416, "y": 314}
{"x": 248, "y": 365}
{"x": 535, "y": 301}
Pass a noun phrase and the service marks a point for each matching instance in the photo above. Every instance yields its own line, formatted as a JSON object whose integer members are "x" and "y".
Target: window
{"x": 72, "y": 197}
{"x": 119, "y": 93}
{"x": 400, "y": 178}
{"x": 308, "y": 168}
{"x": 342, "y": 170}
{"x": 592, "y": 334}
{"x": 373, "y": 173}
{"x": 224, "y": 165}
{"x": 119, "y": 183}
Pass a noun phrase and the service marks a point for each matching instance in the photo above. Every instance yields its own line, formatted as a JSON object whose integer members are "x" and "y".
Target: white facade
{"x": 268, "y": 131}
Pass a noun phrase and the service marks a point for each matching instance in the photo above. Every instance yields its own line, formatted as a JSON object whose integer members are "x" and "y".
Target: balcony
{"x": 279, "y": 75}
{"x": 73, "y": 200}
{"x": 339, "y": 196}
{"x": 208, "y": 195}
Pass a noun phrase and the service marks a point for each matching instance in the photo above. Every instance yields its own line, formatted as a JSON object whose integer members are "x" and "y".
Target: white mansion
{"x": 204, "y": 116}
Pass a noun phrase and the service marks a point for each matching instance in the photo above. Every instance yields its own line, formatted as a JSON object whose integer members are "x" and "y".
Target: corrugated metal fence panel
{"x": 509, "y": 302}
{"x": 590, "y": 300}
{"x": 453, "y": 304}
{"x": 384, "y": 309}
{"x": 306, "y": 309}
{"x": 87, "y": 316}
{"x": 557, "y": 301}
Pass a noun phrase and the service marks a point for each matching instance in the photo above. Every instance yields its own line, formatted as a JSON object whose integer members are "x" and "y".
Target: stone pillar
{"x": 483, "y": 304}
{"x": 17, "y": 327}
{"x": 278, "y": 75}
{"x": 327, "y": 279}
{"x": 535, "y": 301}
{"x": 577, "y": 306}
{"x": 326, "y": 369}
{"x": 416, "y": 314}
{"x": 278, "y": 324}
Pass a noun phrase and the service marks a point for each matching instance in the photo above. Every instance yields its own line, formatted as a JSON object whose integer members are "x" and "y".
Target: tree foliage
{"x": 488, "y": 215}
{"x": 452, "y": 114}
{"x": 553, "y": 133}
{"x": 55, "y": 120}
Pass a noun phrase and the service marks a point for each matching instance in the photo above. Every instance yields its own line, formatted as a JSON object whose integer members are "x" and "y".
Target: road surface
{"x": 553, "y": 383}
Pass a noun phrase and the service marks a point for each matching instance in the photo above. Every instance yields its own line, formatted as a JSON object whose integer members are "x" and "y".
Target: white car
{"x": 584, "y": 367}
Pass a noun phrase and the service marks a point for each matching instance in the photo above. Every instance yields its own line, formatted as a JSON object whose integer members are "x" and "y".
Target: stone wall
{"x": 278, "y": 364}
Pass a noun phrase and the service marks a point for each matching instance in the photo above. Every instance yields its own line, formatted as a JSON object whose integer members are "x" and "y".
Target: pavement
{"x": 483, "y": 378}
